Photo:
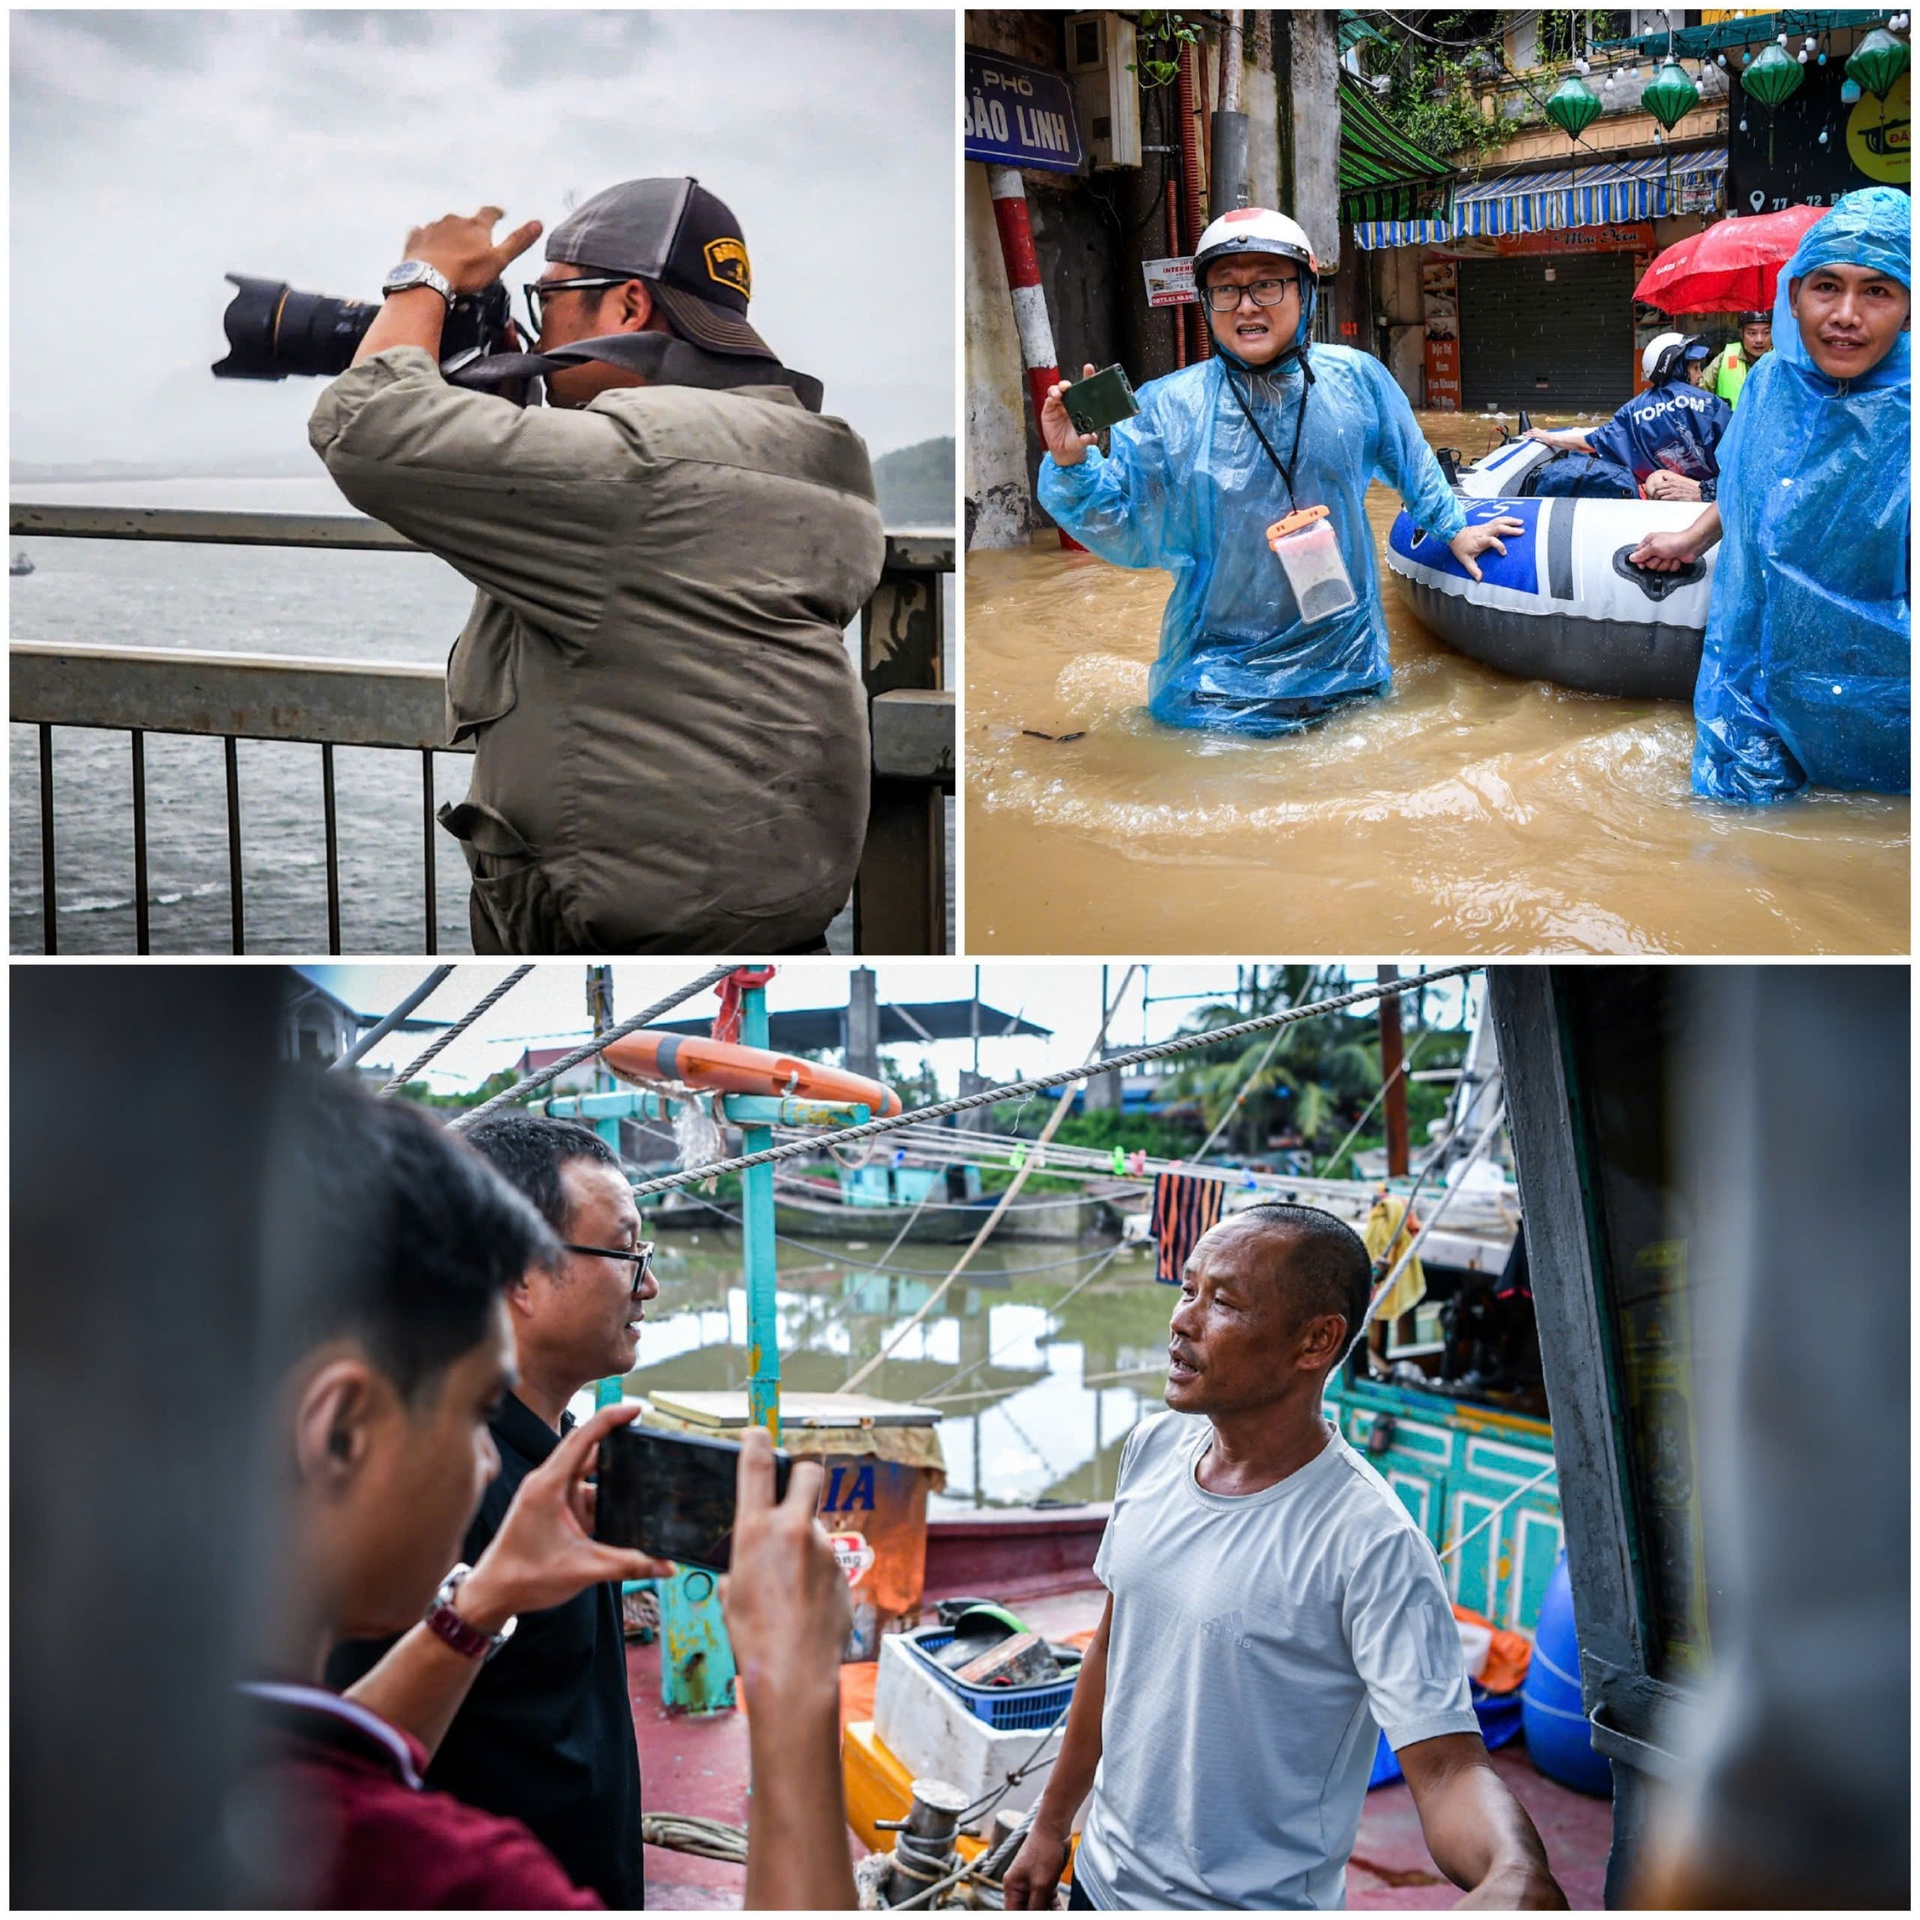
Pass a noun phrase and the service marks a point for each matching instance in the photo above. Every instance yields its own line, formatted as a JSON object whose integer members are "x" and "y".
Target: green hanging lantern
{"x": 1773, "y": 77}
{"x": 1573, "y": 106}
{"x": 1670, "y": 96}
{"x": 1877, "y": 62}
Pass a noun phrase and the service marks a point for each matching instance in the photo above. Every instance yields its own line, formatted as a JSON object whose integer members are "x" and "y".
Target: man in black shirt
{"x": 546, "y": 1733}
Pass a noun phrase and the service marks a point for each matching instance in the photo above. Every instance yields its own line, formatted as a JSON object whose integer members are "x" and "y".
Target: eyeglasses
{"x": 1266, "y": 293}
{"x": 539, "y": 292}
{"x": 639, "y": 1255}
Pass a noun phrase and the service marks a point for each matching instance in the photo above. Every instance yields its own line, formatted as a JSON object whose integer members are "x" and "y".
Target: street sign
{"x": 1014, "y": 115}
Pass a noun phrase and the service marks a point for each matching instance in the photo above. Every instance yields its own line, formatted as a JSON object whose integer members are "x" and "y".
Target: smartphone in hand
{"x": 671, "y": 1494}
{"x": 1101, "y": 400}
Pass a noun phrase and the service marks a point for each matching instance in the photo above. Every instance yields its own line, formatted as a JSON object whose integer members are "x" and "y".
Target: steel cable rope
{"x": 598, "y": 1044}
{"x": 453, "y": 1033}
{"x": 1086, "y": 1380}
{"x": 1481, "y": 1526}
{"x": 1086, "y": 1280}
{"x": 381, "y": 1028}
{"x": 1447, "y": 1194}
{"x": 1046, "y": 1083}
{"x": 1386, "y": 1087}
{"x": 1066, "y": 1082}
{"x": 1234, "y": 1105}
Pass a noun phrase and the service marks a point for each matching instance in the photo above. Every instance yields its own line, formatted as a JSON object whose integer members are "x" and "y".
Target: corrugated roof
{"x": 1383, "y": 175}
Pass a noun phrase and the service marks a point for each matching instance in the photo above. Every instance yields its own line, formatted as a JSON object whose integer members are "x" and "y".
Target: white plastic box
{"x": 925, "y": 1725}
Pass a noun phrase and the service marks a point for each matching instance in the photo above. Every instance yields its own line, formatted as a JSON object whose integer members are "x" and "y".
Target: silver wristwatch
{"x": 416, "y": 273}
{"x": 462, "y": 1635}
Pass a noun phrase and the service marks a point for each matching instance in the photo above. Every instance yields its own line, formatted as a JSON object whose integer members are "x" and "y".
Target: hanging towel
{"x": 1389, "y": 1233}
{"x": 1184, "y": 1207}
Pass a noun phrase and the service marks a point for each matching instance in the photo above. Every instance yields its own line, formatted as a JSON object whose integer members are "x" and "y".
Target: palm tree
{"x": 1308, "y": 1073}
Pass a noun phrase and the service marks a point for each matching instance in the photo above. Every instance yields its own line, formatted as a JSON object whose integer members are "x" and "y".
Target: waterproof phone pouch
{"x": 1310, "y": 552}
{"x": 1101, "y": 400}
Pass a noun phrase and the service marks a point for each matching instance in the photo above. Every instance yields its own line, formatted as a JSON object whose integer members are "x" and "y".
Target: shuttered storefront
{"x": 1564, "y": 345}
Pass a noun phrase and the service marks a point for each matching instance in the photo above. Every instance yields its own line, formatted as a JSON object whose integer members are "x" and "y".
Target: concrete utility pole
{"x": 1009, "y": 193}
{"x": 1310, "y": 116}
{"x": 863, "y": 1023}
{"x": 1228, "y": 171}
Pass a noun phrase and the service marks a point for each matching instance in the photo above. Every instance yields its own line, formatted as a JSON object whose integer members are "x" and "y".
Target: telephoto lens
{"x": 273, "y": 331}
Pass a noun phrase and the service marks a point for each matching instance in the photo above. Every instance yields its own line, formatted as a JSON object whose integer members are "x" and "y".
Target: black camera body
{"x": 273, "y": 331}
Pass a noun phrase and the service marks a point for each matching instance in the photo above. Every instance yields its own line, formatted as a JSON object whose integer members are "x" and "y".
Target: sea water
{"x": 355, "y": 606}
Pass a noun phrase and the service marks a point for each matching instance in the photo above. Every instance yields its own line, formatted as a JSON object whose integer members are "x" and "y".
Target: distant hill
{"x": 915, "y": 484}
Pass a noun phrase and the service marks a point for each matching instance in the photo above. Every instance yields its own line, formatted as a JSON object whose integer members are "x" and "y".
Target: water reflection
{"x": 1035, "y": 1411}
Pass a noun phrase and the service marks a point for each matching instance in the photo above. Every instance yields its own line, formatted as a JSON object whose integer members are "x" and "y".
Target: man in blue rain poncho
{"x": 1804, "y": 677}
{"x": 1220, "y": 452}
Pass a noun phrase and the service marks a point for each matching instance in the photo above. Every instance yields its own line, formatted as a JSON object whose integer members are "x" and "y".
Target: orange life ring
{"x": 720, "y": 1066}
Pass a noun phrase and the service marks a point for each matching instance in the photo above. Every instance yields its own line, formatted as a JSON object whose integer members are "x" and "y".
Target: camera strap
{"x": 661, "y": 359}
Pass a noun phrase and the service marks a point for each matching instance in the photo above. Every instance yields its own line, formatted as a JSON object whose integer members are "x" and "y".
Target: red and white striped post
{"x": 1009, "y": 194}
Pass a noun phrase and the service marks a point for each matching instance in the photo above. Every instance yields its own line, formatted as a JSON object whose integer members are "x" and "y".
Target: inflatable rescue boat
{"x": 651, "y": 1058}
{"x": 1564, "y": 603}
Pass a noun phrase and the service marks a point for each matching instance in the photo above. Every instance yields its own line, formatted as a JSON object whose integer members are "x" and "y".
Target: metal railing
{"x": 900, "y": 890}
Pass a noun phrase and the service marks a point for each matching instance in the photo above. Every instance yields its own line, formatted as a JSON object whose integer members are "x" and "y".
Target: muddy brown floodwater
{"x": 1467, "y": 812}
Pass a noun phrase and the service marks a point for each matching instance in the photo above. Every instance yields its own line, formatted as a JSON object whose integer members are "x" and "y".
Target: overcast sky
{"x": 550, "y": 1006}
{"x": 154, "y": 152}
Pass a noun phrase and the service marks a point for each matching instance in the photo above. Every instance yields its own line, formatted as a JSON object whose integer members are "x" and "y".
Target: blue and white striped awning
{"x": 1603, "y": 195}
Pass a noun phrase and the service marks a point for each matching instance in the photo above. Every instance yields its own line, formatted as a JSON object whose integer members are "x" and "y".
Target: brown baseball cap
{"x": 683, "y": 241}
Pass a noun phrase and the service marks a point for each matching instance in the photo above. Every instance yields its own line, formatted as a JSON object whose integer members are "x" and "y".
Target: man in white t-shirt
{"x": 1270, "y": 1603}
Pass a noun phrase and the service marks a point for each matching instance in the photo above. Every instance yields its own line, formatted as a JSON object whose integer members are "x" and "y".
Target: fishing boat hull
{"x": 1563, "y": 603}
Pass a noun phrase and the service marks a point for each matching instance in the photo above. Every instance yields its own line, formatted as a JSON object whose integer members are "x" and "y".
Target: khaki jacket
{"x": 670, "y": 741}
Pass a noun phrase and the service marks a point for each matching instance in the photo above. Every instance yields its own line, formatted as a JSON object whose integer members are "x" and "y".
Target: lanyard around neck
{"x": 1288, "y": 468}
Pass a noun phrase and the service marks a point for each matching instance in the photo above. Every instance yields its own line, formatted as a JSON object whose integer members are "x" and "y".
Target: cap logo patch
{"x": 727, "y": 264}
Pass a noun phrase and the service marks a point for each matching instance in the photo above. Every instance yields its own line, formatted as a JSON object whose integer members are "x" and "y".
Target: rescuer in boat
{"x": 1660, "y": 444}
{"x": 1267, "y": 429}
{"x": 670, "y": 742}
{"x": 1270, "y": 1603}
{"x": 393, "y": 1342}
{"x": 1727, "y": 372}
{"x": 1805, "y": 677}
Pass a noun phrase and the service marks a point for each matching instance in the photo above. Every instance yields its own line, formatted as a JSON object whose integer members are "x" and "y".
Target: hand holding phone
{"x": 672, "y": 1494}
{"x": 545, "y": 1550}
{"x": 788, "y": 1618}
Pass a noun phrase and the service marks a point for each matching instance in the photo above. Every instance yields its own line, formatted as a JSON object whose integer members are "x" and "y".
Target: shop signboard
{"x": 1440, "y": 306}
{"x": 1631, "y": 236}
{"x": 1014, "y": 115}
{"x": 1776, "y": 158}
{"x": 1169, "y": 282}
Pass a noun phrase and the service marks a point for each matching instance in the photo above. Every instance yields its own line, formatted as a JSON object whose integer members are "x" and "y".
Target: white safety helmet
{"x": 1666, "y": 356}
{"x": 1657, "y": 349}
{"x": 1261, "y": 230}
{"x": 1252, "y": 230}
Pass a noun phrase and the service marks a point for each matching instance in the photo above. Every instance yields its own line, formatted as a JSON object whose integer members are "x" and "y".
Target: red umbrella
{"x": 1732, "y": 267}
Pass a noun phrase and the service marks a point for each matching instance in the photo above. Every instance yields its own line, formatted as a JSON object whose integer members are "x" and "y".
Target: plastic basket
{"x": 1004, "y": 1709}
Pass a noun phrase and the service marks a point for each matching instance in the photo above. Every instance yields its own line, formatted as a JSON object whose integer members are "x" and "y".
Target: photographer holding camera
{"x": 670, "y": 743}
